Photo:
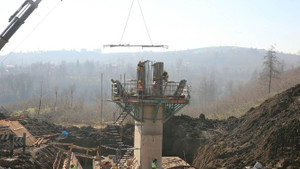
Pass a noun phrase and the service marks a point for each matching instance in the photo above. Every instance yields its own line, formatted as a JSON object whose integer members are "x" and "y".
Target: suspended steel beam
{"x": 142, "y": 46}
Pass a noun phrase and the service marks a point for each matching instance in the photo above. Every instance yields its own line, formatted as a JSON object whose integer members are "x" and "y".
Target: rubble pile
{"x": 269, "y": 134}
{"x": 33, "y": 158}
{"x": 40, "y": 128}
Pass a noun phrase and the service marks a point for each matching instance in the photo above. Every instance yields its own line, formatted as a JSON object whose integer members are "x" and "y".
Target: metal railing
{"x": 130, "y": 89}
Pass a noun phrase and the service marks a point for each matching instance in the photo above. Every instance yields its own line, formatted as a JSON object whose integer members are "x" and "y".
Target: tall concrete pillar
{"x": 148, "y": 136}
{"x": 155, "y": 105}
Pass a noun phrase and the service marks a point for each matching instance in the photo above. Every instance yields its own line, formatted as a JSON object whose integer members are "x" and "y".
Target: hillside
{"x": 70, "y": 80}
{"x": 251, "y": 94}
{"x": 268, "y": 133}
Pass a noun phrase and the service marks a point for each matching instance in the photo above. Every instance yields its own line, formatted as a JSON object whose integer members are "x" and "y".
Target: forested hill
{"x": 213, "y": 73}
{"x": 206, "y": 56}
{"x": 224, "y": 61}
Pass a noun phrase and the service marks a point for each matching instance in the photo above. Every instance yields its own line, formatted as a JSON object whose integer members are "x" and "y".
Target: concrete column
{"x": 148, "y": 137}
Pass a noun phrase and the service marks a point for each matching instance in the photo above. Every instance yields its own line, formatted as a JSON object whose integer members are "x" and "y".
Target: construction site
{"x": 150, "y": 100}
{"x": 27, "y": 142}
{"x": 146, "y": 131}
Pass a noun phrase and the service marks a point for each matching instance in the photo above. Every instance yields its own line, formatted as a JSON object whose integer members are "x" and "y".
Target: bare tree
{"x": 229, "y": 88}
{"x": 271, "y": 67}
{"x": 207, "y": 90}
{"x": 65, "y": 95}
{"x": 41, "y": 96}
{"x": 56, "y": 94}
{"x": 72, "y": 90}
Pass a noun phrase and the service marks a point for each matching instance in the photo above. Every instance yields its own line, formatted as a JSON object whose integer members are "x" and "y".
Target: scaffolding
{"x": 172, "y": 96}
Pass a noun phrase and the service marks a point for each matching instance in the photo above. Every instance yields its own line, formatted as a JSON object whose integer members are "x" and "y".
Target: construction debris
{"x": 175, "y": 163}
{"x": 18, "y": 129}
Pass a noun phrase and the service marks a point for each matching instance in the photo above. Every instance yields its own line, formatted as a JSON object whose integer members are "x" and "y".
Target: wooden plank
{"x": 18, "y": 129}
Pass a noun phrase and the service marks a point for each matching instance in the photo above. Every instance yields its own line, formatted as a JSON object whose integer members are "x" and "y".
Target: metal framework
{"x": 136, "y": 46}
{"x": 171, "y": 107}
{"x": 171, "y": 96}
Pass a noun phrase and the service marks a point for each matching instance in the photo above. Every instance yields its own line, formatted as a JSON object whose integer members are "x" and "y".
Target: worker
{"x": 106, "y": 165}
{"x": 140, "y": 66}
{"x": 73, "y": 166}
{"x": 154, "y": 83}
{"x": 154, "y": 163}
{"x": 140, "y": 87}
{"x": 165, "y": 75}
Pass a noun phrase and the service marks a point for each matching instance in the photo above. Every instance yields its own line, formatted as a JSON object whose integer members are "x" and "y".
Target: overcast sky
{"x": 181, "y": 24}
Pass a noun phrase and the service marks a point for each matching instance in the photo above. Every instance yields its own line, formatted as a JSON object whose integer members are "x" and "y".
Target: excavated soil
{"x": 183, "y": 134}
{"x": 269, "y": 134}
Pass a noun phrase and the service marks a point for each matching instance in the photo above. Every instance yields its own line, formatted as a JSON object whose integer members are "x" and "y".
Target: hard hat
{"x": 140, "y": 61}
{"x": 140, "y": 81}
{"x": 164, "y": 70}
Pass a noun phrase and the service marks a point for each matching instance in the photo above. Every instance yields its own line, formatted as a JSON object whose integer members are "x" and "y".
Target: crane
{"x": 17, "y": 19}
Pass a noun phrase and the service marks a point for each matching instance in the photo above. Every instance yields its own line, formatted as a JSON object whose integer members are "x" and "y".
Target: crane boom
{"x": 17, "y": 19}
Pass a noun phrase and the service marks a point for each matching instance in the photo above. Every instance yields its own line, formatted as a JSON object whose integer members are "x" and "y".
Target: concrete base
{"x": 148, "y": 137}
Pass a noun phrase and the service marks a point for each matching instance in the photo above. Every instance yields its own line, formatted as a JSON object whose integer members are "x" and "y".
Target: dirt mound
{"x": 183, "y": 134}
{"x": 269, "y": 134}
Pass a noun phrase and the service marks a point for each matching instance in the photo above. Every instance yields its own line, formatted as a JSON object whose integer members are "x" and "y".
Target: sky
{"x": 180, "y": 24}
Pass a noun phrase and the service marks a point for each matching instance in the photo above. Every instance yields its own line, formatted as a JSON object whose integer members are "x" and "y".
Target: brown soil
{"x": 269, "y": 134}
{"x": 183, "y": 135}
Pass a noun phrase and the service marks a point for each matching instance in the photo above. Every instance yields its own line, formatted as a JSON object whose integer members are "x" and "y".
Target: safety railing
{"x": 131, "y": 89}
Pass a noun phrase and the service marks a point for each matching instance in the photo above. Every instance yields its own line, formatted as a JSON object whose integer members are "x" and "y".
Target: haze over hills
{"x": 224, "y": 63}
{"x": 213, "y": 72}
{"x": 209, "y": 56}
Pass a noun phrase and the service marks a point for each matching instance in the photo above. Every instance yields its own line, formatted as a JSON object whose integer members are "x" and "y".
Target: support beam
{"x": 142, "y": 46}
{"x": 156, "y": 111}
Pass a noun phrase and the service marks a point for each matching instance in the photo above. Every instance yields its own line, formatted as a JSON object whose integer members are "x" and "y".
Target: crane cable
{"x": 126, "y": 21}
{"x": 30, "y": 33}
{"x": 144, "y": 20}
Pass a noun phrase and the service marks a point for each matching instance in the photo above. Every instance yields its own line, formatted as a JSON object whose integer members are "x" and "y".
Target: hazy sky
{"x": 181, "y": 24}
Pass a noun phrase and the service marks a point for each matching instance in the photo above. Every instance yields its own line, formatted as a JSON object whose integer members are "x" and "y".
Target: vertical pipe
{"x": 101, "y": 115}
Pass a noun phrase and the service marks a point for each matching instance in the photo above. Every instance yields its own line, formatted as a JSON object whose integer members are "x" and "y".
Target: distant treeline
{"x": 67, "y": 79}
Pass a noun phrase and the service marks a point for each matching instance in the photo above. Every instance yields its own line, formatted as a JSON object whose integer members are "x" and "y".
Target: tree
{"x": 56, "y": 89}
{"x": 72, "y": 91}
{"x": 270, "y": 67}
{"x": 207, "y": 90}
{"x": 41, "y": 96}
